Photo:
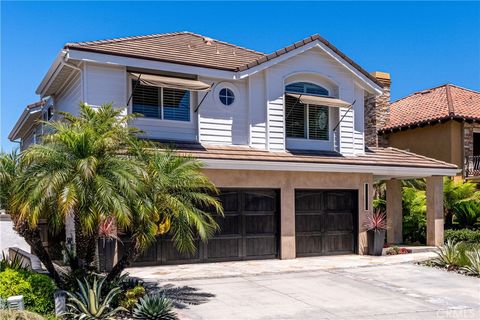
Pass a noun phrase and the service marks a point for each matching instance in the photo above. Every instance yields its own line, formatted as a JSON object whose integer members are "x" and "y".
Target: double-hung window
{"x": 306, "y": 121}
{"x": 161, "y": 103}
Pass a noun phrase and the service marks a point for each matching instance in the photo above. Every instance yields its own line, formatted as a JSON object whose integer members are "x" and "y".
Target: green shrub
{"x": 89, "y": 302}
{"x": 466, "y": 213}
{"x": 154, "y": 307}
{"x": 473, "y": 262}
{"x": 37, "y": 289}
{"x": 19, "y": 315}
{"x": 414, "y": 215}
{"x": 448, "y": 255}
{"x": 466, "y": 235}
{"x": 131, "y": 296}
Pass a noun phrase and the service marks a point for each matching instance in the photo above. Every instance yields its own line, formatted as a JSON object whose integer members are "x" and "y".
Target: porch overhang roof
{"x": 383, "y": 163}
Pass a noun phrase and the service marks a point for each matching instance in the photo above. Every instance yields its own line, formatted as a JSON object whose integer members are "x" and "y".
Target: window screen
{"x": 306, "y": 121}
{"x": 161, "y": 103}
{"x": 295, "y": 118}
{"x": 146, "y": 100}
{"x": 176, "y": 104}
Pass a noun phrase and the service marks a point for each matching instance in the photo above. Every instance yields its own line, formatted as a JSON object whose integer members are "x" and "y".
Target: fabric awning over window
{"x": 170, "y": 82}
{"x": 320, "y": 101}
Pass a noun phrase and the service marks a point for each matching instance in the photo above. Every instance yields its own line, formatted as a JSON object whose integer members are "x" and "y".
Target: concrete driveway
{"x": 383, "y": 291}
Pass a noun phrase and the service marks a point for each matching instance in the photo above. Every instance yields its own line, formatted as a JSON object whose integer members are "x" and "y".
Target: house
{"x": 289, "y": 137}
{"x": 441, "y": 123}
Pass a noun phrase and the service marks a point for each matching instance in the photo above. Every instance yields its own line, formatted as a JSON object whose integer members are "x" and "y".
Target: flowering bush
{"x": 396, "y": 250}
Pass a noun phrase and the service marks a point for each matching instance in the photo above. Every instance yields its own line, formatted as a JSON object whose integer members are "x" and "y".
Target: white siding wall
{"x": 311, "y": 66}
{"x": 105, "y": 84}
{"x": 220, "y": 124}
{"x": 358, "y": 116}
{"x": 71, "y": 96}
{"x": 257, "y": 110}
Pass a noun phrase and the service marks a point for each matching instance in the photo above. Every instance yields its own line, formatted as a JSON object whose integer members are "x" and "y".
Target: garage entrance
{"x": 325, "y": 222}
{"x": 249, "y": 230}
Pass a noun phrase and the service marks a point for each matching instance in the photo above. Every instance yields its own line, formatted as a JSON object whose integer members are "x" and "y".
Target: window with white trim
{"x": 306, "y": 121}
{"x": 161, "y": 103}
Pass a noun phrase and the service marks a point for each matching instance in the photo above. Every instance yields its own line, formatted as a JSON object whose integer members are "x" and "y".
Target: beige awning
{"x": 170, "y": 82}
{"x": 320, "y": 101}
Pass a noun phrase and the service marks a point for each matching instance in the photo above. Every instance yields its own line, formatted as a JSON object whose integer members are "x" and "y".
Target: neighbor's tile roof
{"x": 196, "y": 50}
{"x": 436, "y": 104}
{"x": 390, "y": 157}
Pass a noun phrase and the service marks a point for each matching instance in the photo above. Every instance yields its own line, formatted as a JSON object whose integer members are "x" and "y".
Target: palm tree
{"x": 177, "y": 199}
{"x": 79, "y": 172}
{"x": 9, "y": 172}
{"x": 92, "y": 168}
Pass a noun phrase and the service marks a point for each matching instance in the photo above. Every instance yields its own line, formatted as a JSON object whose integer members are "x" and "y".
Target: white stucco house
{"x": 289, "y": 137}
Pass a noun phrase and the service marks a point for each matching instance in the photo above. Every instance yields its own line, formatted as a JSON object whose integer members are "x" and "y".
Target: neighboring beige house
{"x": 441, "y": 123}
{"x": 287, "y": 137}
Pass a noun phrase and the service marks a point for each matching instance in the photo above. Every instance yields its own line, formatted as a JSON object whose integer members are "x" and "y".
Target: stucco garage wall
{"x": 288, "y": 181}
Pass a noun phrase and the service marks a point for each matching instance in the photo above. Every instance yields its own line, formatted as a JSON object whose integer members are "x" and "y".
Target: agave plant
{"x": 87, "y": 304}
{"x": 448, "y": 255}
{"x": 154, "y": 307}
{"x": 376, "y": 221}
{"x": 473, "y": 266}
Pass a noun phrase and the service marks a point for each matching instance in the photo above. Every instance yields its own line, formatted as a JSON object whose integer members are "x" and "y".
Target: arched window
{"x": 306, "y": 121}
{"x": 307, "y": 88}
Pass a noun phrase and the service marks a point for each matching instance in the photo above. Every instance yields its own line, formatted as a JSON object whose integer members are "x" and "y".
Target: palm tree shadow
{"x": 181, "y": 297}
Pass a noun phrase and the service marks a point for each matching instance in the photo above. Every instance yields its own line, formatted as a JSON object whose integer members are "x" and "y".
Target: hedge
{"x": 37, "y": 289}
{"x": 466, "y": 235}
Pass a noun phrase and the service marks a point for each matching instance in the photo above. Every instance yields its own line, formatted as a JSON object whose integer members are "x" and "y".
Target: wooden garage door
{"x": 248, "y": 230}
{"x": 325, "y": 222}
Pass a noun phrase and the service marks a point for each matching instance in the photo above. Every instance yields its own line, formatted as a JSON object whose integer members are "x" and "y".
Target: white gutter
{"x": 60, "y": 61}
{"x": 53, "y": 70}
{"x": 327, "y": 167}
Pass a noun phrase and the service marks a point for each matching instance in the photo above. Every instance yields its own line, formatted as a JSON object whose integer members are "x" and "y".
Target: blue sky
{"x": 421, "y": 44}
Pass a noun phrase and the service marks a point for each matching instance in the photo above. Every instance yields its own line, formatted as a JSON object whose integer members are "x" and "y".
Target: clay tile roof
{"x": 390, "y": 157}
{"x": 180, "y": 47}
{"x": 193, "y": 49}
{"x": 436, "y": 104}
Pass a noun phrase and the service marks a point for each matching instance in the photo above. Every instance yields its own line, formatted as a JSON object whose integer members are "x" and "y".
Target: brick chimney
{"x": 377, "y": 112}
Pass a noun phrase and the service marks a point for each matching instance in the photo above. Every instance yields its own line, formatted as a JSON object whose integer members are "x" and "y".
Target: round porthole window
{"x": 226, "y": 96}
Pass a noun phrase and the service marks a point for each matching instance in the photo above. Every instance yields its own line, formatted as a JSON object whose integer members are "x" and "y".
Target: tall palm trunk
{"x": 85, "y": 245}
{"x": 131, "y": 254}
{"x": 32, "y": 237}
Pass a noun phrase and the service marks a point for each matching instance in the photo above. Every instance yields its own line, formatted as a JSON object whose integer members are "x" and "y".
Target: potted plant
{"x": 376, "y": 225}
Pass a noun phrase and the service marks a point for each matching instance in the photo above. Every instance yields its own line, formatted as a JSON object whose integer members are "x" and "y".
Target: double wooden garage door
{"x": 325, "y": 224}
{"x": 249, "y": 230}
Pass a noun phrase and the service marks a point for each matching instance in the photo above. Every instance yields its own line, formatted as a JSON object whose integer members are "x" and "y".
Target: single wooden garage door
{"x": 325, "y": 222}
{"x": 249, "y": 230}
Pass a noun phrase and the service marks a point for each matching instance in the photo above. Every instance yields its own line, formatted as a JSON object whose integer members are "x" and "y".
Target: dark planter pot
{"x": 376, "y": 239}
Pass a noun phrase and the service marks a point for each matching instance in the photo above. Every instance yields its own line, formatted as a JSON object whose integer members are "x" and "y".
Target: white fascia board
{"x": 54, "y": 68}
{"x": 374, "y": 88}
{"x": 148, "y": 64}
{"x": 22, "y": 120}
{"x": 389, "y": 171}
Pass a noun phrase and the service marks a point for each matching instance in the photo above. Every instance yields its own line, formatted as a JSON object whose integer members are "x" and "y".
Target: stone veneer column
{"x": 435, "y": 215}
{"x": 394, "y": 211}
{"x": 377, "y": 112}
{"x": 287, "y": 223}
